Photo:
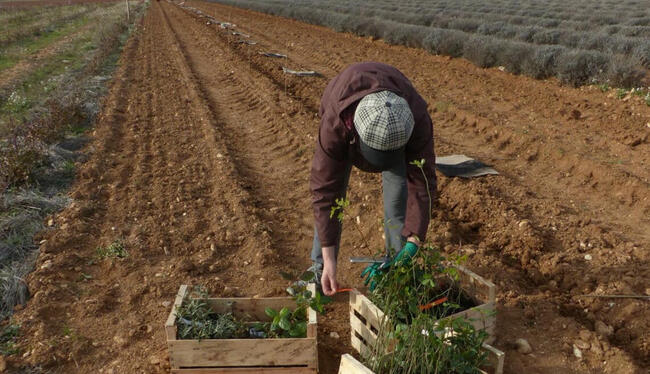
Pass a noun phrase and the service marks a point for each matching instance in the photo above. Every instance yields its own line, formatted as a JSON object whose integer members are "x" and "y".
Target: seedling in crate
{"x": 196, "y": 320}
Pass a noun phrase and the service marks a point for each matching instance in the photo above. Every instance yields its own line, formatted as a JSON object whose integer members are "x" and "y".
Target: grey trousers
{"x": 394, "y": 194}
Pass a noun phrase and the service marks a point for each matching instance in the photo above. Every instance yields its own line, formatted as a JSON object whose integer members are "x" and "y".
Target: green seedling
{"x": 339, "y": 210}
{"x": 421, "y": 341}
{"x": 285, "y": 323}
{"x": 620, "y": 93}
{"x": 604, "y": 87}
{"x": 8, "y": 338}
{"x": 114, "y": 250}
{"x": 196, "y": 320}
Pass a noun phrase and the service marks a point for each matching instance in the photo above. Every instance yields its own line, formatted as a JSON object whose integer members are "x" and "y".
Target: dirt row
{"x": 200, "y": 164}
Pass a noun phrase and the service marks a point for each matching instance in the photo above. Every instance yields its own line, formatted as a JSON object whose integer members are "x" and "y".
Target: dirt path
{"x": 200, "y": 165}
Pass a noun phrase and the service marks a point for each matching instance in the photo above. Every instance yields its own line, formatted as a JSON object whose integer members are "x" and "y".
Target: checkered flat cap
{"x": 384, "y": 121}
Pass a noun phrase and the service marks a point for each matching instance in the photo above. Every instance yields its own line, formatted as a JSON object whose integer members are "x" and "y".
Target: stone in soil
{"x": 603, "y": 329}
{"x": 577, "y": 352}
{"x": 523, "y": 346}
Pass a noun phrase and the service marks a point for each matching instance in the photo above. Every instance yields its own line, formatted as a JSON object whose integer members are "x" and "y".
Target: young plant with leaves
{"x": 418, "y": 339}
{"x": 197, "y": 320}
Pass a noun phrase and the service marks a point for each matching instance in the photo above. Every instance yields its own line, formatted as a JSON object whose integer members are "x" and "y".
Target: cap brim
{"x": 382, "y": 160}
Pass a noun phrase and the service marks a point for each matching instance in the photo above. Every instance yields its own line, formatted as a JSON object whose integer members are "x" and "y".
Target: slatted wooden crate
{"x": 350, "y": 365}
{"x": 366, "y": 318}
{"x": 243, "y": 356}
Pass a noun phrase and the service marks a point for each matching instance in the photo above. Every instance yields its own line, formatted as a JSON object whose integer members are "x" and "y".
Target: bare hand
{"x": 328, "y": 280}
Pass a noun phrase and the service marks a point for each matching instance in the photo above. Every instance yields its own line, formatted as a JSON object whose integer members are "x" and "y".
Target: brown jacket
{"x": 337, "y": 147}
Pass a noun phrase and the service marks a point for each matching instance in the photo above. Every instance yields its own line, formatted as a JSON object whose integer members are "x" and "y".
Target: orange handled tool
{"x": 432, "y": 304}
{"x": 340, "y": 290}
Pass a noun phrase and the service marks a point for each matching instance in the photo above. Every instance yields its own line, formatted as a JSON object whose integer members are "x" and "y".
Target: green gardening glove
{"x": 403, "y": 257}
{"x": 406, "y": 254}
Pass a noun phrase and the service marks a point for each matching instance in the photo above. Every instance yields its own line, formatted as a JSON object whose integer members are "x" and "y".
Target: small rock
{"x": 588, "y": 257}
{"x": 246, "y": 263}
{"x": 523, "y": 346}
{"x": 166, "y": 304}
{"x": 524, "y": 223}
{"x": 334, "y": 335}
{"x": 3, "y": 364}
{"x": 213, "y": 247}
{"x": 603, "y": 329}
{"x": 46, "y": 265}
{"x": 149, "y": 329}
{"x": 585, "y": 335}
{"x": 581, "y": 344}
{"x": 50, "y": 222}
{"x": 577, "y": 352}
{"x": 120, "y": 341}
{"x": 153, "y": 360}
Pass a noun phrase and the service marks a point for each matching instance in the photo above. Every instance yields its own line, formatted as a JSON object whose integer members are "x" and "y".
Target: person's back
{"x": 372, "y": 118}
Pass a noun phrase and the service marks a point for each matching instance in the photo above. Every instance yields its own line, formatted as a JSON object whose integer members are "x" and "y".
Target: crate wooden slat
{"x": 242, "y": 356}
{"x": 366, "y": 319}
{"x": 350, "y": 365}
{"x": 258, "y": 370}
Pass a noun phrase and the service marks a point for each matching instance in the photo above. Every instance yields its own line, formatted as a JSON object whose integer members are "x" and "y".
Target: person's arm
{"x": 328, "y": 279}
{"x": 328, "y": 175}
{"x": 419, "y": 199}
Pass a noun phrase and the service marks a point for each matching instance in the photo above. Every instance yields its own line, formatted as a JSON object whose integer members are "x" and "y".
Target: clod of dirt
{"x": 575, "y": 114}
{"x": 334, "y": 335}
{"x": 120, "y": 341}
{"x": 581, "y": 344}
{"x": 523, "y": 346}
{"x": 3, "y": 364}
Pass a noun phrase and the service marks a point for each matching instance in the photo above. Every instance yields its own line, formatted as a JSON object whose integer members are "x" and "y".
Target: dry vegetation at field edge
{"x": 53, "y": 73}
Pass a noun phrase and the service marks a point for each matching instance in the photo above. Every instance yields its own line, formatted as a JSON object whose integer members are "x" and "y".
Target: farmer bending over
{"x": 372, "y": 118}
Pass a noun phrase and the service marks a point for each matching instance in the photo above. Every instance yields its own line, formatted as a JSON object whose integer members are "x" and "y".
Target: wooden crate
{"x": 243, "y": 356}
{"x": 366, "y": 318}
{"x": 350, "y": 365}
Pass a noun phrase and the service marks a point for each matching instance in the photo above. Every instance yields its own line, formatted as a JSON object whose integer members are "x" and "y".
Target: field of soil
{"x": 200, "y": 163}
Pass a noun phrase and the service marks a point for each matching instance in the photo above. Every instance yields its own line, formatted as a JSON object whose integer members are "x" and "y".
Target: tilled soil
{"x": 200, "y": 165}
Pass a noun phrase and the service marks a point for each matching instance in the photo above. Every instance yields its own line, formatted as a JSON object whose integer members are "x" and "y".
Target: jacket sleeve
{"x": 328, "y": 178}
{"x": 418, "y": 202}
